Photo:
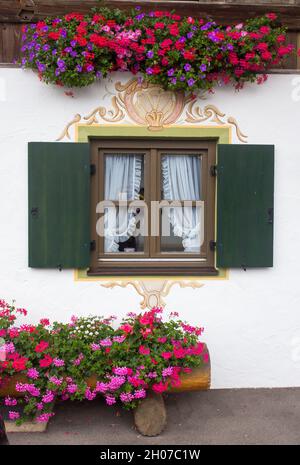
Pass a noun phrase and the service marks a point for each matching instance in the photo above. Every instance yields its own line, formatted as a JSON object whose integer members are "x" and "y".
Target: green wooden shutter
{"x": 59, "y": 205}
{"x": 245, "y": 188}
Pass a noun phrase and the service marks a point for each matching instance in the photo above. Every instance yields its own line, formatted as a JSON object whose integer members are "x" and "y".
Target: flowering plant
{"x": 178, "y": 53}
{"x": 57, "y": 361}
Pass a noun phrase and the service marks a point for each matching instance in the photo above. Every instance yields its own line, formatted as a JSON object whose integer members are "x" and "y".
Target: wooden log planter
{"x": 150, "y": 417}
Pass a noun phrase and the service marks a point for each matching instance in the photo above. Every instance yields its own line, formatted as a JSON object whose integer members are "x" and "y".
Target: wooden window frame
{"x": 153, "y": 262}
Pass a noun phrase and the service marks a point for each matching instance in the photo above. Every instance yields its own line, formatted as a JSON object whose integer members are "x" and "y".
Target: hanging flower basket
{"x": 178, "y": 53}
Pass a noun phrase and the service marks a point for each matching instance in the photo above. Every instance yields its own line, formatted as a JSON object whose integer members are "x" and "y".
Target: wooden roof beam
{"x": 18, "y": 11}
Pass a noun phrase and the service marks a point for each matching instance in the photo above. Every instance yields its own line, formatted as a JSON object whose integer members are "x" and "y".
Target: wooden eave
{"x": 223, "y": 11}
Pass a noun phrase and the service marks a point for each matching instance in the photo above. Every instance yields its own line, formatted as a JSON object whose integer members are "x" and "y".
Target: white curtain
{"x": 122, "y": 182}
{"x": 181, "y": 181}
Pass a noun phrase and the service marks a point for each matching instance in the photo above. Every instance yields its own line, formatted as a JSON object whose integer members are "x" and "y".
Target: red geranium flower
{"x": 156, "y": 69}
{"x": 160, "y": 387}
{"x": 43, "y": 345}
{"x": 188, "y": 55}
{"x": 46, "y": 361}
{"x": 77, "y": 16}
{"x": 81, "y": 41}
{"x": 127, "y": 328}
{"x": 144, "y": 350}
{"x": 20, "y": 364}
{"x": 54, "y": 35}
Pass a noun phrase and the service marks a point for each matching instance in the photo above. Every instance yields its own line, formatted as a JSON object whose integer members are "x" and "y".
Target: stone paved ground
{"x": 242, "y": 416}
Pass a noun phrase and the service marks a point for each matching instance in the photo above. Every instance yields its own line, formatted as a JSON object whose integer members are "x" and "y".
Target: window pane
{"x": 181, "y": 176}
{"x": 123, "y": 176}
{"x": 182, "y": 228}
{"x": 124, "y": 229}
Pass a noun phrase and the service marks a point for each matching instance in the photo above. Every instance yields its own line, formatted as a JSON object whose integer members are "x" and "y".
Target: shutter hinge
{"x": 92, "y": 169}
{"x": 213, "y": 170}
{"x": 212, "y": 245}
{"x": 92, "y": 246}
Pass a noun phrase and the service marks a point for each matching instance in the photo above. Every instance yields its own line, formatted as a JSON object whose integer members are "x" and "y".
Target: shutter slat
{"x": 59, "y": 205}
{"x": 245, "y": 194}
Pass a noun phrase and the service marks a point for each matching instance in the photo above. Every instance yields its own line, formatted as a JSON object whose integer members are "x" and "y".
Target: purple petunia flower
{"x": 61, "y": 64}
{"x": 41, "y": 67}
{"x": 79, "y": 68}
{"x": 191, "y": 82}
{"x": 182, "y": 78}
{"x": 149, "y": 71}
{"x": 189, "y": 35}
{"x": 170, "y": 72}
{"x": 99, "y": 75}
{"x": 174, "y": 80}
{"x": 205, "y": 26}
{"x": 54, "y": 51}
{"x": 203, "y": 67}
{"x": 90, "y": 68}
{"x": 46, "y": 47}
{"x": 150, "y": 54}
{"x": 187, "y": 67}
{"x": 73, "y": 43}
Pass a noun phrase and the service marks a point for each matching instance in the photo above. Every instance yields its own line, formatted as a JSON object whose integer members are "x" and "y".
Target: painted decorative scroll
{"x": 149, "y": 105}
{"x": 153, "y": 292}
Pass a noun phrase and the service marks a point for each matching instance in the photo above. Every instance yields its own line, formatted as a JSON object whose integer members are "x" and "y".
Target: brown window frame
{"x": 152, "y": 261}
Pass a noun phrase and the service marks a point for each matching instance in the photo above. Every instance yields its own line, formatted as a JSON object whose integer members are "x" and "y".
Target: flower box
{"x": 197, "y": 380}
{"x": 178, "y": 53}
{"x": 145, "y": 356}
{"x": 150, "y": 416}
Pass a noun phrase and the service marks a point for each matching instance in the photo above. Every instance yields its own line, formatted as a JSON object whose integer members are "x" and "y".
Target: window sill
{"x": 153, "y": 271}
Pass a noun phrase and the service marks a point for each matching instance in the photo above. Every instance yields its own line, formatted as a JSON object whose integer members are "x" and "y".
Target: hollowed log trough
{"x": 150, "y": 417}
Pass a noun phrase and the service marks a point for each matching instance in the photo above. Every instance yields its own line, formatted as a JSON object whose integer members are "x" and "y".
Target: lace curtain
{"x": 181, "y": 181}
{"x": 122, "y": 181}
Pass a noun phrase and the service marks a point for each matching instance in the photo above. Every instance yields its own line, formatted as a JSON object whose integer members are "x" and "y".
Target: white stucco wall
{"x": 251, "y": 320}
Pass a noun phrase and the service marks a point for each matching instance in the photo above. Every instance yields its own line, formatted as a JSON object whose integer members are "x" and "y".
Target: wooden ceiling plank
{"x": 224, "y": 13}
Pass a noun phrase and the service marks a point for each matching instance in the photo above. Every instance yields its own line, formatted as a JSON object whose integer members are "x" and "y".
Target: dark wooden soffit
{"x": 223, "y": 11}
